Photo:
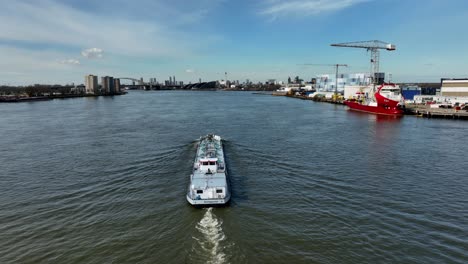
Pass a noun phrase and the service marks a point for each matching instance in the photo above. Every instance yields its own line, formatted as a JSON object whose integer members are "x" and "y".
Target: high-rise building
{"x": 91, "y": 83}
{"x": 116, "y": 85}
{"x": 170, "y": 80}
{"x": 107, "y": 85}
{"x": 173, "y": 80}
{"x": 104, "y": 84}
{"x": 153, "y": 81}
{"x": 111, "y": 85}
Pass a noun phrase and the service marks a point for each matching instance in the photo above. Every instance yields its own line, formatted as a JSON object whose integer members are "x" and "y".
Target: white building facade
{"x": 91, "y": 84}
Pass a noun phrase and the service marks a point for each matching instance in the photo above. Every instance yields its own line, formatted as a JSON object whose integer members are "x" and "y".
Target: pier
{"x": 428, "y": 112}
{"x": 411, "y": 109}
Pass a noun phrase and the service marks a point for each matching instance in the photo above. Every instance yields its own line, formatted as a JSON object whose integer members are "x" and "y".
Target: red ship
{"x": 386, "y": 101}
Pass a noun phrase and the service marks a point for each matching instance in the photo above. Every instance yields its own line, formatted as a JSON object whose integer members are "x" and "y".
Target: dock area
{"x": 315, "y": 99}
{"x": 410, "y": 109}
{"x": 428, "y": 112}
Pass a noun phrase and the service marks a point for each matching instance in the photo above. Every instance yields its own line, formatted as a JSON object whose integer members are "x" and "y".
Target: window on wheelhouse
{"x": 212, "y": 162}
{"x": 199, "y": 191}
{"x": 219, "y": 191}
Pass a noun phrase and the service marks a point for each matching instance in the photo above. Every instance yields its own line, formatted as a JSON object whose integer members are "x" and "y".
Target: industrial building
{"x": 452, "y": 91}
{"x": 350, "y": 85}
{"x": 327, "y": 82}
{"x": 454, "y": 87}
{"x": 410, "y": 91}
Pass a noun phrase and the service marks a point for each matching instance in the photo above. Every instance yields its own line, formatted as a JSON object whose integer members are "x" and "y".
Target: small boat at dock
{"x": 209, "y": 184}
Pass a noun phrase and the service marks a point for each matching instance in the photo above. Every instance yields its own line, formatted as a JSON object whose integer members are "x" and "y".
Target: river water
{"x": 103, "y": 180}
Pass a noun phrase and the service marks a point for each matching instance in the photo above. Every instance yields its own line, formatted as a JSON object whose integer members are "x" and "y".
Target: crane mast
{"x": 336, "y": 73}
{"x": 374, "y": 46}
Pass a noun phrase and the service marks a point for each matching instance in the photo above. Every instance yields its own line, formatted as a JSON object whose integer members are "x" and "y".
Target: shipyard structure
{"x": 451, "y": 91}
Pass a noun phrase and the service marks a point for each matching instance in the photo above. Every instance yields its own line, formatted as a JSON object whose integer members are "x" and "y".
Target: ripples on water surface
{"x": 103, "y": 180}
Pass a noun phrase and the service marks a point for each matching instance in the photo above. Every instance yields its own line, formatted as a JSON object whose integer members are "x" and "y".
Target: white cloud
{"x": 131, "y": 33}
{"x": 70, "y": 62}
{"x": 123, "y": 32}
{"x": 190, "y": 71}
{"x": 92, "y": 53}
{"x": 277, "y": 8}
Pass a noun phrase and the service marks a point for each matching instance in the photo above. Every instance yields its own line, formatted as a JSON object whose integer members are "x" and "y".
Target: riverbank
{"x": 428, "y": 112}
{"x": 19, "y": 99}
{"x": 410, "y": 109}
{"x": 315, "y": 99}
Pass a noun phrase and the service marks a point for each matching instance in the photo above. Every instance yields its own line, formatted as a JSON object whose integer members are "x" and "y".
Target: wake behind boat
{"x": 209, "y": 183}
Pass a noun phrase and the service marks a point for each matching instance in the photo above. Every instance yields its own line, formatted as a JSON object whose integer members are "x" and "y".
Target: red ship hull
{"x": 384, "y": 106}
{"x": 374, "y": 109}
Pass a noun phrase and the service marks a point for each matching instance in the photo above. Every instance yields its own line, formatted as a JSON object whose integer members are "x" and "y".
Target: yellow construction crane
{"x": 373, "y": 46}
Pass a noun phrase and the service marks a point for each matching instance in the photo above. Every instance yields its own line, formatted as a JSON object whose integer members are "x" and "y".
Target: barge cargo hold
{"x": 209, "y": 184}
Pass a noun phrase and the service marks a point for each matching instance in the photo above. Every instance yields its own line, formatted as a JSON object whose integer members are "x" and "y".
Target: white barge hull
{"x": 209, "y": 183}
{"x": 208, "y": 201}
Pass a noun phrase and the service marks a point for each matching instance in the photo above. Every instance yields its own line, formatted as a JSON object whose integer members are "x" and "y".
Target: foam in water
{"x": 212, "y": 236}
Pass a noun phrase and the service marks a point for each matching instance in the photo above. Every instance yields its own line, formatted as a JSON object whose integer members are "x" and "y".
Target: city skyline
{"x": 61, "y": 41}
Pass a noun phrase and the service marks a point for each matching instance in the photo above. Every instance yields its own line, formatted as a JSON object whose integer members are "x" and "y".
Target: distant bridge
{"x": 136, "y": 81}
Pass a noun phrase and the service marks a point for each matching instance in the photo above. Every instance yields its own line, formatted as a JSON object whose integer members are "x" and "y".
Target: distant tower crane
{"x": 336, "y": 73}
{"x": 373, "y": 46}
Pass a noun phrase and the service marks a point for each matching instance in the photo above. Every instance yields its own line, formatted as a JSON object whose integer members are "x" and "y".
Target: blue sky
{"x": 52, "y": 41}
